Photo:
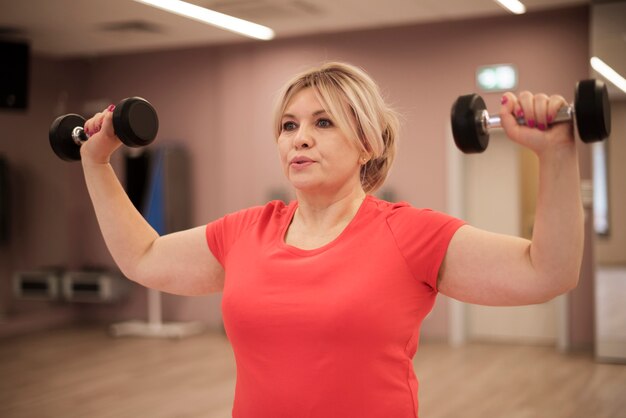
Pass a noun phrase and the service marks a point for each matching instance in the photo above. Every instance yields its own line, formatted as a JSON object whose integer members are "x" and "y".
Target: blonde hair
{"x": 350, "y": 96}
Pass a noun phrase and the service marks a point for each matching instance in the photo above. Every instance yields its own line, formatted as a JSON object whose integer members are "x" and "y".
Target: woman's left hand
{"x": 538, "y": 110}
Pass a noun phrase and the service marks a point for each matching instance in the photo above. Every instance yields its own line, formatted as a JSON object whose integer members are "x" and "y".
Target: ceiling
{"x": 79, "y": 28}
{"x": 91, "y": 27}
{"x": 608, "y": 39}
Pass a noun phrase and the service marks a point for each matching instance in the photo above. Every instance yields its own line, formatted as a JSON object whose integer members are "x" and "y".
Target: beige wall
{"x": 217, "y": 102}
{"x": 43, "y": 228}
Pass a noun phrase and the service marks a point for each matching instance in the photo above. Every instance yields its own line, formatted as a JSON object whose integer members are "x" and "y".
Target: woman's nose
{"x": 303, "y": 138}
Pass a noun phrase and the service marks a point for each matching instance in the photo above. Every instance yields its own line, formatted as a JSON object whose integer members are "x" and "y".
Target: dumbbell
{"x": 591, "y": 110}
{"x": 135, "y": 123}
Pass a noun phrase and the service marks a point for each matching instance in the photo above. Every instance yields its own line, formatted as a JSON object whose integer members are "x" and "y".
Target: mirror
{"x": 608, "y": 42}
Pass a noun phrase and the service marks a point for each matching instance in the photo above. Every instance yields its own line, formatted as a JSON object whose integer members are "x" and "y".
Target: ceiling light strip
{"x": 212, "y": 17}
{"x": 514, "y": 6}
{"x": 609, "y": 73}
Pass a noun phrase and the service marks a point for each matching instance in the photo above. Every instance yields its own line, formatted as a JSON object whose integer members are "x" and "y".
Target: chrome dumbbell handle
{"x": 79, "y": 136}
{"x": 564, "y": 114}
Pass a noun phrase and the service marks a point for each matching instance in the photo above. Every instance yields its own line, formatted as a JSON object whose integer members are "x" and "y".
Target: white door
{"x": 492, "y": 183}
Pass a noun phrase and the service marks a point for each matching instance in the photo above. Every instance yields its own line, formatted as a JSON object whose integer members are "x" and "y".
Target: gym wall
{"x": 43, "y": 224}
{"x": 216, "y": 101}
{"x": 4, "y": 201}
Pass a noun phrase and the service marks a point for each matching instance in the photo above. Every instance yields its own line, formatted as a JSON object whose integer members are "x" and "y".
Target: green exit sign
{"x": 499, "y": 77}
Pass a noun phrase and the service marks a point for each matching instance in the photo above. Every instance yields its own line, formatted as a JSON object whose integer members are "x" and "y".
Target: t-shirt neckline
{"x": 314, "y": 251}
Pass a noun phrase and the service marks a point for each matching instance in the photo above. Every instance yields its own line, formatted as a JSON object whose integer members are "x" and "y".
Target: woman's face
{"x": 314, "y": 153}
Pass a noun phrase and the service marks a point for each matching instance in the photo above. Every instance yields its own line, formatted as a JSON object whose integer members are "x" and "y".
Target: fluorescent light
{"x": 608, "y": 73}
{"x": 500, "y": 77}
{"x": 513, "y": 6}
{"x": 212, "y": 17}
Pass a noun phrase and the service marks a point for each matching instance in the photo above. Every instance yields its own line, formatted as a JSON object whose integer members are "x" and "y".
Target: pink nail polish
{"x": 520, "y": 113}
{"x": 531, "y": 123}
{"x": 541, "y": 126}
{"x": 504, "y": 100}
{"x": 550, "y": 119}
{"x": 111, "y": 107}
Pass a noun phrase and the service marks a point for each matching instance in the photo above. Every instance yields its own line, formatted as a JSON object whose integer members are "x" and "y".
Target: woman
{"x": 323, "y": 297}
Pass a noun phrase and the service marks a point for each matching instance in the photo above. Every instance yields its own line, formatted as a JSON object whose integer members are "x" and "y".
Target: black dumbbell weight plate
{"x": 593, "y": 111}
{"x": 61, "y": 136}
{"x": 467, "y": 129}
{"x": 135, "y": 122}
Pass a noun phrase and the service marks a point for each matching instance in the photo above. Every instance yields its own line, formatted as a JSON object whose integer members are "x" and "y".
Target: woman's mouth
{"x": 300, "y": 162}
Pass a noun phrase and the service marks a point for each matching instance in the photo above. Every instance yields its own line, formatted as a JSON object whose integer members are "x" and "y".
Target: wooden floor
{"x": 81, "y": 372}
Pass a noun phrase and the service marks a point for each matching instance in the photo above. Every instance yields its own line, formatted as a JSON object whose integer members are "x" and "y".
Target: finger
{"x": 555, "y": 103}
{"x": 541, "y": 109}
{"x": 107, "y": 121}
{"x": 509, "y": 103}
{"x": 510, "y": 110}
{"x": 92, "y": 126}
{"x": 510, "y": 106}
{"x": 87, "y": 127}
{"x": 527, "y": 104}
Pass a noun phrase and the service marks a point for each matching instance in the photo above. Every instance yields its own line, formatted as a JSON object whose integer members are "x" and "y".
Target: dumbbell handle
{"x": 79, "y": 136}
{"x": 564, "y": 114}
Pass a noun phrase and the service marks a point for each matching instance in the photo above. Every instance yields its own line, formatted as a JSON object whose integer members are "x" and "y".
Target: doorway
{"x": 495, "y": 191}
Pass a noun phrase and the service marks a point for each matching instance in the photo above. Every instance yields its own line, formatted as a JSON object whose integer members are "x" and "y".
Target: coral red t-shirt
{"x": 329, "y": 332}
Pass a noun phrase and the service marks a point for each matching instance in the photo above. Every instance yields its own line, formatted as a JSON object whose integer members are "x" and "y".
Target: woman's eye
{"x": 324, "y": 123}
{"x": 289, "y": 126}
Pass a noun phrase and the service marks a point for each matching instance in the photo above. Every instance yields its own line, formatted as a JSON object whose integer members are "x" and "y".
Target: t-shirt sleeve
{"x": 423, "y": 236}
{"x": 222, "y": 233}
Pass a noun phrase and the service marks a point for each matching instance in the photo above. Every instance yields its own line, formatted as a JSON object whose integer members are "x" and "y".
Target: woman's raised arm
{"x": 179, "y": 263}
{"x": 492, "y": 269}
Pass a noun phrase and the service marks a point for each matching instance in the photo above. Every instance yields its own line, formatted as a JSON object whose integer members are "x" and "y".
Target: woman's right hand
{"x": 102, "y": 142}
